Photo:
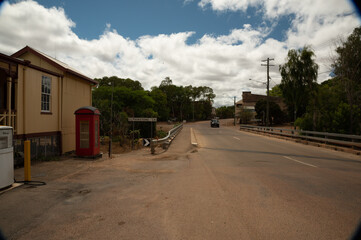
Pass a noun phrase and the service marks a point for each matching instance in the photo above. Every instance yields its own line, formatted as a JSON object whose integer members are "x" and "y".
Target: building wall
{"x": 76, "y": 94}
{"x": 30, "y": 119}
{"x": 36, "y": 60}
{"x": 68, "y": 93}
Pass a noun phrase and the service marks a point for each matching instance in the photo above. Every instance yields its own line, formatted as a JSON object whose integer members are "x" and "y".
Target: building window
{"x": 45, "y": 93}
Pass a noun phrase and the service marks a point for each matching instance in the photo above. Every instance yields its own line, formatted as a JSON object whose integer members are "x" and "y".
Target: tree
{"x": 206, "y": 93}
{"x": 101, "y": 100}
{"x": 195, "y": 94}
{"x": 170, "y": 90}
{"x": 275, "y": 113}
{"x": 160, "y": 105}
{"x": 225, "y": 112}
{"x": 119, "y": 82}
{"x": 129, "y": 99}
{"x": 187, "y": 102}
{"x": 245, "y": 115}
{"x": 121, "y": 126}
{"x": 206, "y": 100}
{"x": 276, "y": 91}
{"x": 329, "y": 96}
{"x": 338, "y": 100}
{"x": 299, "y": 75}
{"x": 347, "y": 67}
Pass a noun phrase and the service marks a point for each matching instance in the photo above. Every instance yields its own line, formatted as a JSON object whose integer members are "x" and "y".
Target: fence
{"x": 166, "y": 140}
{"x": 353, "y": 141}
{"x": 41, "y": 148}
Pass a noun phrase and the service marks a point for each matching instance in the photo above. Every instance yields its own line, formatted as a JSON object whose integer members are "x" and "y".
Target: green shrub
{"x": 161, "y": 134}
{"x": 304, "y": 123}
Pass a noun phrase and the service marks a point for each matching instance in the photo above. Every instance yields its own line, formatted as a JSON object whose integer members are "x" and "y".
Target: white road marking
{"x": 300, "y": 162}
{"x": 237, "y": 138}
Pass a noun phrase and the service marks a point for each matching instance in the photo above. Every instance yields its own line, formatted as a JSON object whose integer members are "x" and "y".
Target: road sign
{"x": 142, "y": 119}
{"x": 146, "y": 142}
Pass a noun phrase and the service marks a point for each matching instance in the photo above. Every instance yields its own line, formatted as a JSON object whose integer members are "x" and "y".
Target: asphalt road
{"x": 283, "y": 190}
{"x": 234, "y": 185}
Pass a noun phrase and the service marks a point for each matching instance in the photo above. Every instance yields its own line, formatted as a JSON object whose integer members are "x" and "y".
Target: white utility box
{"x": 6, "y": 157}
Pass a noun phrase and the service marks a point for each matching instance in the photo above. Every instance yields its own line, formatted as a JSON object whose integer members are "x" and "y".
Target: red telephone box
{"x": 87, "y": 132}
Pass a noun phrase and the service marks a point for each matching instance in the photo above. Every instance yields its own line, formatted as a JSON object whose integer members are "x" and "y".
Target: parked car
{"x": 215, "y": 123}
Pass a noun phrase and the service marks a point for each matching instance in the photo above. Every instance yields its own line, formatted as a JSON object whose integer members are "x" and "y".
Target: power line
{"x": 329, "y": 42}
{"x": 273, "y": 81}
{"x": 329, "y": 71}
{"x": 256, "y": 81}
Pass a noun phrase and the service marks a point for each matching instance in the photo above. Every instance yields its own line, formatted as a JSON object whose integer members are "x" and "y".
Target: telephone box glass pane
{"x": 96, "y": 133}
{"x": 84, "y": 134}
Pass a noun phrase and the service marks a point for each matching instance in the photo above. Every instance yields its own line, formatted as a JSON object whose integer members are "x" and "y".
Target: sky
{"x": 214, "y": 43}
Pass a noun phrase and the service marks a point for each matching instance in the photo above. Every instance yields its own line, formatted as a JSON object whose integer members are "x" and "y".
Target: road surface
{"x": 234, "y": 185}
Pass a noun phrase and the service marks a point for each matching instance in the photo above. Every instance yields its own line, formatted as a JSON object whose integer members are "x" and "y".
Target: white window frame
{"x": 46, "y": 94}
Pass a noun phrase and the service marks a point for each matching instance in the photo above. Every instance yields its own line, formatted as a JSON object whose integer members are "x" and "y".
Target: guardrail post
{"x": 152, "y": 147}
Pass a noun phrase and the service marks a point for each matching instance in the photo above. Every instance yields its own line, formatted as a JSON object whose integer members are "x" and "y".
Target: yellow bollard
{"x": 27, "y": 164}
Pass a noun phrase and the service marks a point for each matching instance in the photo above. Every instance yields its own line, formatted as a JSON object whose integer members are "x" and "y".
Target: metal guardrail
{"x": 166, "y": 140}
{"x": 353, "y": 141}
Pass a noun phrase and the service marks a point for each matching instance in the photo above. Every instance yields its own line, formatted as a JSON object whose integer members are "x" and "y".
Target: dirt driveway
{"x": 102, "y": 199}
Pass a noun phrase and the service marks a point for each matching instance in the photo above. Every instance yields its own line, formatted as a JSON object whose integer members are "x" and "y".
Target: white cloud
{"x": 228, "y": 5}
{"x": 187, "y": 2}
{"x": 224, "y": 63}
{"x": 315, "y": 23}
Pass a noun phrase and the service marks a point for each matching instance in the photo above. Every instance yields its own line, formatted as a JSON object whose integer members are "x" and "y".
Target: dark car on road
{"x": 214, "y": 123}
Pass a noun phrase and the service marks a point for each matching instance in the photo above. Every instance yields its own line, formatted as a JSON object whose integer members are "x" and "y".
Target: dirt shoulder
{"x": 93, "y": 199}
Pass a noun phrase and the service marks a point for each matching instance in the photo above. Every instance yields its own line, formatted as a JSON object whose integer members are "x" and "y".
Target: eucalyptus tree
{"x": 347, "y": 68}
{"x": 299, "y": 77}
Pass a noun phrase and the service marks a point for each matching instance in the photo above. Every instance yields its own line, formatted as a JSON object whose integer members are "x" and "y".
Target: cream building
{"x": 38, "y": 98}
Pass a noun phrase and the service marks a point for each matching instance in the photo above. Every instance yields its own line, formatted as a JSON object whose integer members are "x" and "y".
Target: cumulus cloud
{"x": 224, "y": 63}
{"x": 228, "y": 5}
{"x": 314, "y": 23}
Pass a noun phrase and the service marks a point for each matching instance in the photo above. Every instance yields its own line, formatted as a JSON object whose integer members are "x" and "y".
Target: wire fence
{"x": 41, "y": 148}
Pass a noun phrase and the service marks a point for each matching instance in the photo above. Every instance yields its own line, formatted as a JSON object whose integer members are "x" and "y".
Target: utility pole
{"x": 111, "y": 122}
{"x": 267, "y": 110}
{"x": 234, "y": 110}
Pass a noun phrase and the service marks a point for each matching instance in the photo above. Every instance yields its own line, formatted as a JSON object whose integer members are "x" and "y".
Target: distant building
{"x": 38, "y": 97}
{"x": 249, "y": 101}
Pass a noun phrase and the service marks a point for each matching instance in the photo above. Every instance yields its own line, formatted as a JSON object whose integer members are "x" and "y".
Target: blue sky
{"x": 135, "y": 18}
{"x": 215, "y": 43}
